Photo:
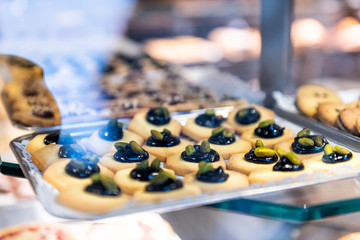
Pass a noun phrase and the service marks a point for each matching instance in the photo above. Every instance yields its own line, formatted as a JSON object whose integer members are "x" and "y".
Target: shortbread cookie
{"x": 127, "y": 156}
{"x": 334, "y": 158}
{"x": 154, "y": 119}
{"x": 164, "y": 144}
{"x": 225, "y": 143}
{"x": 346, "y": 120}
{"x": 103, "y": 140}
{"x": 57, "y": 174}
{"x": 200, "y": 128}
{"x": 328, "y": 112}
{"x": 258, "y": 158}
{"x": 188, "y": 160}
{"x": 99, "y": 197}
{"x": 309, "y": 96}
{"x": 269, "y": 133}
{"x": 165, "y": 187}
{"x": 213, "y": 180}
{"x": 246, "y": 118}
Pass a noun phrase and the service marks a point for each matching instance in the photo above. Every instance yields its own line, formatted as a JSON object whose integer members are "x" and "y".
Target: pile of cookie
{"x": 325, "y": 105}
{"x": 26, "y": 96}
{"x": 156, "y": 159}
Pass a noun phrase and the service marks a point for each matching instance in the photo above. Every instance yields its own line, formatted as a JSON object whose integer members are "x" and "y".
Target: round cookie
{"x": 142, "y": 127}
{"x": 56, "y": 175}
{"x": 42, "y": 140}
{"x": 264, "y": 114}
{"x": 238, "y": 163}
{"x": 228, "y": 150}
{"x": 234, "y": 180}
{"x": 328, "y": 112}
{"x": 346, "y": 120}
{"x": 81, "y": 199}
{"x": 309, "y": 96}
{"x": 46, "y": 156}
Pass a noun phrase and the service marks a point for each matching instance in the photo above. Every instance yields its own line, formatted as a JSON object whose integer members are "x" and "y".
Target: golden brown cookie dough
{"x": 77, "y": 198}
{"x": 46, "y": 156}
{"x": 236, "y": 147}
{"x": 286, "y": 145}
{"x": 328, "y": 112}
{"x": 238, "y": 163}
{"x": 309, "y": 96}
{"x": 56, "y": 175}
{"x": 142, "y": 127}
{"x": 268, "y": 142}
{"x": 100, "y": 146}
{"x": 163, "y": 152}
{"x": 36, "y": 143}
{"x": 129, "y": 185}
{"x": 186, "y": 191}
{"x": 264, "y": 176}
{"x": 265, "y": 114}
{"x": 109, "y": 162}
{"x": 234, "y": 181}
{"x": 346, "y": 120}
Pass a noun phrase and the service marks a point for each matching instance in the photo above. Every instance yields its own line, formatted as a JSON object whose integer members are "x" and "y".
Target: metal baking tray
{"x": 46, "y": 193}
{"x": 285, "y": 108}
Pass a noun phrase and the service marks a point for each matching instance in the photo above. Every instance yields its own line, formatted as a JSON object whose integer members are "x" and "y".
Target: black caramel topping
{"x": 143, "y": 172}
{"x": 213, "y": 176}
{"x": 297, "y": 147}
{"x": 285, "y": 165}
{"x": 220, "y": 136}
{"x": 247, "y": 116}
{"x": 99, "y": 189}
{"x": 337, "y": 158}
{"x": 71, "y": 151}
{"x": 168, "y": 185}
{"x": 129, "y": 153}
{"x": 158, "y": 116}
{"x": 209, "y": 119}
{"x": 162, "y": 139}
{"x": 269, "y": 131}
{"x": 112, "y": 132}
{"x": 251, "y": 157}
{"x": 82, "y": 168}
{"x": 58, "y": 138}
{"x": 198, "y": 156}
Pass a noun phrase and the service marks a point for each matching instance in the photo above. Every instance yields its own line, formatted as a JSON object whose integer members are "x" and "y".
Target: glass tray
{"x": 227, "y": 200}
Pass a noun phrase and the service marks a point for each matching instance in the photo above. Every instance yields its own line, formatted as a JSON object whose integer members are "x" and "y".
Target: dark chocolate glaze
{"x": 143, "y": 174}
{"x": 213, "y": 176}
{"x": 270, "y": 131}
{"x": 81, "y": 168}
{"x": 126, "y": 155}
{"x": 56, "y": 138}
{"x": 220, "y": 139}
{"x": 285, "y": 165}
{"x": 297, "y": 148}
{"x": 209, "y": 120}
{"x": 157, "y": 120}
{"x": 198, "y": 156}
{"x": 251, "y": 157}
{"x": 71, "y": 151}
{"x": 252, "y": 116}
{"x": 99, "y": 189}
{"x": 111, "y": 133}
{"x": 337, "y": 158}
{"x": 168, "y": 140}
{"x": 169, "y": 185}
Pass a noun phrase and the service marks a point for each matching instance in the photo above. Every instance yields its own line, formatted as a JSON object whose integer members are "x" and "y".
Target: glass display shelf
{"x": 303, "y": 204}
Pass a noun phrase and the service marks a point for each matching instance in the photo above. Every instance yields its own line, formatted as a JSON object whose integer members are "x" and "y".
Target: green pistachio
{"x": 167, "y": 131}
{"x": 158, "y": 111}
{"x": 205, "y": 167}
{"x": 217, "y": 131}
{"x": 259, "y": 143}
{"x": 293, "y": 158}
{"x": 136, "y": 148}
{"x": 210, "y": 112}
{"x": 281, "y": 152}
{"x": 341, "y": 150}
{"x": 120, "y": 145}
{"x": 205, "y": 146}
{"x": 108, "y": 182}
{"x": 112, "y": 123}
{"x": 328, "y": 149}
{"x": 243, "y": 113}
{"x": 318, "y": 141}
{"x": 304, "y": 132}
{"x": 306, "y": 141}
{"x": 120, "y": 125}
{"x": 155, "y": 164}
{"x": 169, "y": 174}
{"x": 95, "y": 177}
{"x": 265, "y": 123}
{"x": 143, "y": 164}
{"x": 162, "y": 177}
{"x": 190, "y": 150}
{"x": 264, "y": 152}
{"x": 228, "y": 134}
{"x": 165, "y": 112}
{"x": 157, "y": 135}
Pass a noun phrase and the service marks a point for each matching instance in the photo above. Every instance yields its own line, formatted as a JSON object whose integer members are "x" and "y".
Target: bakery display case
{"x": 181, "y": 61}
